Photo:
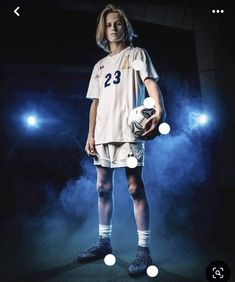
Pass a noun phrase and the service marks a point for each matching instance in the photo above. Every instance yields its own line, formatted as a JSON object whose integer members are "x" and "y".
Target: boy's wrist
{"x": 158, "y": 113}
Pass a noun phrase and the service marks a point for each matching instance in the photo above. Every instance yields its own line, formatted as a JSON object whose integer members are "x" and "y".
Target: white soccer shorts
{"x": 116, "y": 154}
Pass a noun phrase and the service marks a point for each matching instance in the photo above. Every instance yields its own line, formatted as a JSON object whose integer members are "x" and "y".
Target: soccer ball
{"x": 137, "y": 119}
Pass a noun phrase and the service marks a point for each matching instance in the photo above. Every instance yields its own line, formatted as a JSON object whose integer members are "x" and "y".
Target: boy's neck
{"x": 116, "y": 48}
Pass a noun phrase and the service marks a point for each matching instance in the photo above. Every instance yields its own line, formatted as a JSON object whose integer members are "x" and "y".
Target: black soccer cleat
{"x": 139, "y": 266}
{"x": 96, "y": 252}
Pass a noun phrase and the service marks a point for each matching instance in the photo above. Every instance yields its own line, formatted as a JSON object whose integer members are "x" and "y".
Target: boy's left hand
{"x": 150, "y": 125}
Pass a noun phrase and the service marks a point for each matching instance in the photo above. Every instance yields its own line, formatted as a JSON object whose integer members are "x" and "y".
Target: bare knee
{"x": 104, "y": 190}
{"x": 136, "y": 190}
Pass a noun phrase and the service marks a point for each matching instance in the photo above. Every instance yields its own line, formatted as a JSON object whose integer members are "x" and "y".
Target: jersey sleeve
{"x": 147, "y": 69}
{"x": 94, "y": 88}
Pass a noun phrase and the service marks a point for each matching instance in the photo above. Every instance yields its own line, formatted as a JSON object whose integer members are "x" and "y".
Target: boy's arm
{"x": 90, "y": 144}
{"x": 155, "y": 93}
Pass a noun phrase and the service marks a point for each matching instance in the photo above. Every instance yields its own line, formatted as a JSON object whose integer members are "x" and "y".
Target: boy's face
{"x": 115, "y": 28}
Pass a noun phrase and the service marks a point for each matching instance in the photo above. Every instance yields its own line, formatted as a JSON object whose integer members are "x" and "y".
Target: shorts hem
{"x": 114, "y": 165}
{"x": 104, "y": 164}
{"x": 119, "y": 166}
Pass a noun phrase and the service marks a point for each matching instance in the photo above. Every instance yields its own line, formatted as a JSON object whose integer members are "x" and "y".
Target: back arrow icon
{"x": 15, "y": 11}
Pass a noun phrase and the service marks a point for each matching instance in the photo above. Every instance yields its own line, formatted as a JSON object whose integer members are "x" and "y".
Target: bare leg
{"x": 141, "y": 211}
{"x": 105, "y": 194}
{"x": 137, "y": 192}
{"x": 105, "y": 209}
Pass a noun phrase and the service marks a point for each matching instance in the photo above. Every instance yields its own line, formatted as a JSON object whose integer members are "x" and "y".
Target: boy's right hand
{"x": 90, "y": 147}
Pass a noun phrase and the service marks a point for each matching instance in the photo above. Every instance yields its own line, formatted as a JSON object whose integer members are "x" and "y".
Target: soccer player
{"x": 116, "y": 87}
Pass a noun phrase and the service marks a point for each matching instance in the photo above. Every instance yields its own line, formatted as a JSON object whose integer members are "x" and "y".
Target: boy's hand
{"x": 90, "y": 147}
{"x": 151, "y": 125}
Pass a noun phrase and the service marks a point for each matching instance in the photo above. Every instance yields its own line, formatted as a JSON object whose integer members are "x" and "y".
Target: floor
{"x": 44, "y": 249}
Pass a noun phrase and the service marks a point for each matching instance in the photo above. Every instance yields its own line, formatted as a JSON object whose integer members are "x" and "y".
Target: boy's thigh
{"x": 104, "y": 174}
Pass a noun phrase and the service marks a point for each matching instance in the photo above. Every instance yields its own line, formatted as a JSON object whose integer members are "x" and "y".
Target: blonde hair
{"x": 101, "y": 41}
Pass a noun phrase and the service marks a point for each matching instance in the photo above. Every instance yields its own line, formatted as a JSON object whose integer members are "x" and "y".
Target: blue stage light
{"x": 32, "y": 121}
{"x": 197, "y": 119}
{"x": 202, "y": 119}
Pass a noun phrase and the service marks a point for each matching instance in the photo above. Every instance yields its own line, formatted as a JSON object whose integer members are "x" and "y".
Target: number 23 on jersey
{"x": 112, "y": 78}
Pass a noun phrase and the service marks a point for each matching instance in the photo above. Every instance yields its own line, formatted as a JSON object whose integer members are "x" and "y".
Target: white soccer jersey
{"x": 119, "y": 88}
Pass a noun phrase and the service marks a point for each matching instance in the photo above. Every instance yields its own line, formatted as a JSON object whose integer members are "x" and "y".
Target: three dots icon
{"x": 217, "y": 11}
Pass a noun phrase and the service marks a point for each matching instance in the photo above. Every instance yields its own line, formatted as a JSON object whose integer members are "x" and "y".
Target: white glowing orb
{"x": 137, "y": 64}
{"x": 131, "y": 162}
{"x": 110, "y": 260}
{"x": 203, "y": 119}
{"x": 164, "y": 128}
{"x": 152, "y": 271}
{"x": 149, "y": 103}
{"x": 31, "y": 120}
